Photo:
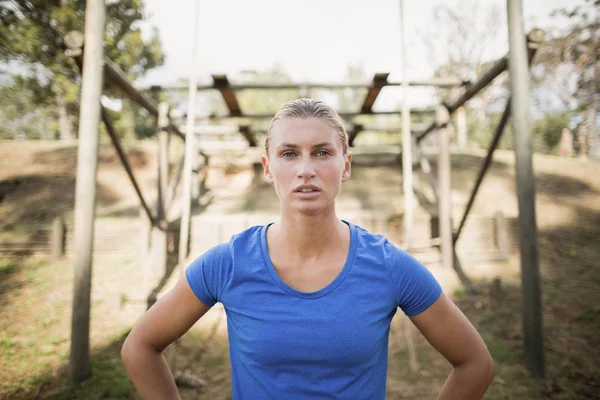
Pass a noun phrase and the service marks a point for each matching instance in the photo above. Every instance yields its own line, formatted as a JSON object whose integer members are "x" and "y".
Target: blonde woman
{"x": 309, "y": 299}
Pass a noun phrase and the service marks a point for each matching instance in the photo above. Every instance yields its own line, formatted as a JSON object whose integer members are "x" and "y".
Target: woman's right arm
{"x": 166, "y": 321}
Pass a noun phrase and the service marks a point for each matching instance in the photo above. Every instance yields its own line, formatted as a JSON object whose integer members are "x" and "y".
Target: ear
{"x": 347, "y": 167}
{"x": 264, "y": 159}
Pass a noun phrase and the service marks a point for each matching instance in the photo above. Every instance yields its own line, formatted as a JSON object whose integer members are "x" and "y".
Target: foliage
{"x": 548, "y": 130}
{"x": 32, "y": 34}
{"x": 25, "y": 111}
{"x": 567, "y": 68}
{"x": 461, "y": 44}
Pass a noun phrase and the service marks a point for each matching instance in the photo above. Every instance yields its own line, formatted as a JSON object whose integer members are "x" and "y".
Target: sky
{"x": 312, "y": 40}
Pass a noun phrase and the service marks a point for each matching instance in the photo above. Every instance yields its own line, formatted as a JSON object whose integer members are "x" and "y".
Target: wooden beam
{"x": 528, "y": 232}
{"x": 85, "y": 190}
{"x": 482, "y": 171}
{"x": 472, "y": 90}
{"x": 123, "y": 157}
{"x": 379, "y": 81}
{"x": 356, "y": 129}
{"x": 221, "y": 83}
{"x": 117, "y": 77}
{"x": 248, "y": 135}
{"x": 435, "y": 82}
{"x": 346, "y": 115}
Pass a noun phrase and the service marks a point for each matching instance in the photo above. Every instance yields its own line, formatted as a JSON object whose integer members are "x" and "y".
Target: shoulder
{"x": 380, "y": 246}
{"x": 415, "y": 287}
{"x": 209, "y": 274}
{"x": 244, "y": 240}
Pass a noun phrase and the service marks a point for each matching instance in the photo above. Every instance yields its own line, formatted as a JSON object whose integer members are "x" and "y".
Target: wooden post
{"x": 407, "y": 144}
{"x": 190, "y": 148}
{"x": 500, "y": 233}
{"x": 445, "y": 186}
{"x": 58, "y": 239}
{"x": 407, "y": 177}
{"x": 85, "y": 189}
{"x": 461, "y": 126}
{"x": 159, "y": 230}
{"x": 145, "y": 231}
{"x": 195, "y": 172}
{"x": 522, "y": 142}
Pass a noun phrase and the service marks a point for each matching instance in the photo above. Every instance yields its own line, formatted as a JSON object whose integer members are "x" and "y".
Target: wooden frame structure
{"x": 96, "y": 68}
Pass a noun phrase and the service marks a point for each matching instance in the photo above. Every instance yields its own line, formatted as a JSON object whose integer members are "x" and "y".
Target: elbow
{"x": 480, "y": 368}
{"x": 135, "y": 351}
{"x": 127, "y": 351}
{"x": 487, "y": 368}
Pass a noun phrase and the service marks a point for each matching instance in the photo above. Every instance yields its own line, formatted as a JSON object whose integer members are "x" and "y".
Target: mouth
{"x": 307, "y": 189}
{"x": 307, "y": 192}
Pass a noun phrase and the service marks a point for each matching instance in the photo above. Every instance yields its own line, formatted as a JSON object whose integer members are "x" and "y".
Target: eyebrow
{"x": 295, "y": 146}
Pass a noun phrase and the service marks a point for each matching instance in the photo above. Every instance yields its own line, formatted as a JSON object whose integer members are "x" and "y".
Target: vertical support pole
{"x": 461, "y": 126}
{"x": 145, "y": 230}
{"x": 522, "y": 142}
{"x": 445, "y": 185}
{"x": 58, "y": 238}
{"x": 407, "y": 144}
{"x": 190, "y": 148}
{"x": 85, "y": 189}
{"x": 407, "y": 174}
{"x": 500, "y": 233}
{"x": 195, "y": 172}
{"x": 159, "y": 230}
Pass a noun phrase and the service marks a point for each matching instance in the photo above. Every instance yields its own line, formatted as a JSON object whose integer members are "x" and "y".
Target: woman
{"x": 309, "y": 299}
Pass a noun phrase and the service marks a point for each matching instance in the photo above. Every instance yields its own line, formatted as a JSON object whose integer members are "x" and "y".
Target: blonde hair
{"x": 308, "y": 108}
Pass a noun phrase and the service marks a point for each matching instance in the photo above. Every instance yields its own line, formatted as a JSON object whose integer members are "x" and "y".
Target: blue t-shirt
{"x": 328, "y": 344}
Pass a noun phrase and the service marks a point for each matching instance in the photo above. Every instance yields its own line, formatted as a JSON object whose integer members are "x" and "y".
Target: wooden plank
{"x": 379, "y": 81}
{"x": 221, "y": 83}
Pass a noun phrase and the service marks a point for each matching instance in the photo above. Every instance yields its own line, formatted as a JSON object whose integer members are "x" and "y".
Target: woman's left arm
{"x": 451, "y": 333}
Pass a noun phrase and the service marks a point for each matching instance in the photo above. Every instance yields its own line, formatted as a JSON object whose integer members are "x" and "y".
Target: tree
{"x": 567, "y": 66}
{"x": 25, "y": 111}
{"x": 460, "y": 44}
{"x": 32, "y": 34}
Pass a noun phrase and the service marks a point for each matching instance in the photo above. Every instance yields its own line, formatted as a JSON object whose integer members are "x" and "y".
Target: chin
{"x": 310, "y": 209}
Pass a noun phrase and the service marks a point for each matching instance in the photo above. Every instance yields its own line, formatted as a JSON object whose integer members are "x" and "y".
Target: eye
{"x": 322, "y": 153}
{"x": 288, "y": 154}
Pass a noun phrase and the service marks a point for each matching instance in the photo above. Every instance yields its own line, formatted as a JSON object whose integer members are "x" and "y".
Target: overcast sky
{"x": 312, "y": 40}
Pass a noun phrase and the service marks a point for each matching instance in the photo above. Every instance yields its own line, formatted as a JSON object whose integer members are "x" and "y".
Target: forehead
{"x": 303, "y": 130}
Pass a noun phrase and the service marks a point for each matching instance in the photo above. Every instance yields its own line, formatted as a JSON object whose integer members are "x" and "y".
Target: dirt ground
{"x": 37, "y": 184}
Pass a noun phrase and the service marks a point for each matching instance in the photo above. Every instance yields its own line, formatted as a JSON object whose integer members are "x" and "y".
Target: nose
{"x": 306, "y": 169}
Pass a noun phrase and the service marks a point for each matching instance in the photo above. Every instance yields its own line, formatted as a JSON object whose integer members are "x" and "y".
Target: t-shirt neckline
{"x": 321, "y": 292}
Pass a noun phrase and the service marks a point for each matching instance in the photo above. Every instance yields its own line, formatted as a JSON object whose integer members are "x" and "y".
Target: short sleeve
{"x": 415, "y": 286}
{"x": 209, "y": 274}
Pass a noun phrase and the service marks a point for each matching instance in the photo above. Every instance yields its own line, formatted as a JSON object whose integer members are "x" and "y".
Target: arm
{"x": 450, "y": 332}
{"x": 163, "y": 323}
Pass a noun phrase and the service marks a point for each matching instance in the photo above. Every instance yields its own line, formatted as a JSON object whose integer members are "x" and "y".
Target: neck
{"x": 307, "y": 237}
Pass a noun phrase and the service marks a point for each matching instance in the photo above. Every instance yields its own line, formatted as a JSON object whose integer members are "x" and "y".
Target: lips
{"x": 307, "y": 189}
